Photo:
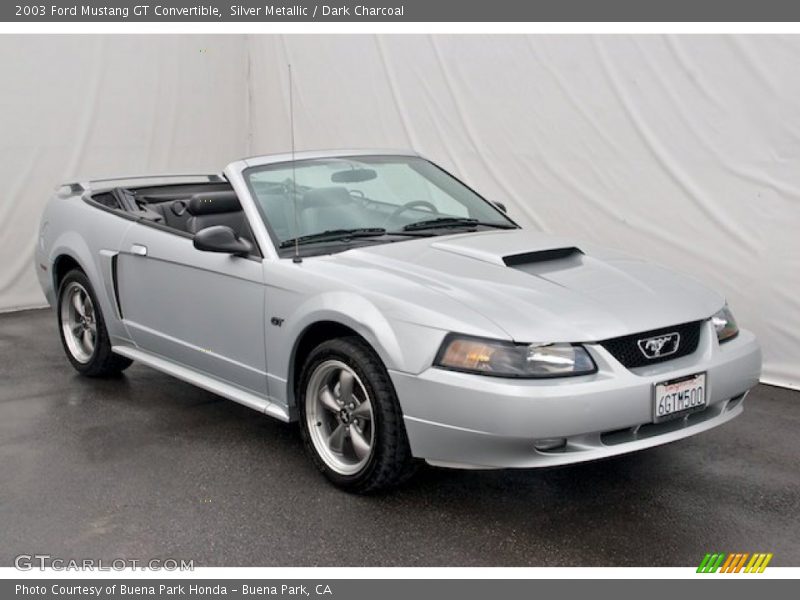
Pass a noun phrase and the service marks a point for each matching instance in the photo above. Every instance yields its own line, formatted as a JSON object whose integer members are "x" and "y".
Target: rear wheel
{"x": 83, "y": 330}
{"x": 351, "y": 421}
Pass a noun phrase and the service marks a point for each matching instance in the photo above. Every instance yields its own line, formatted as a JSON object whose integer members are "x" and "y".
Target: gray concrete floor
{"x": 145, "y": 466}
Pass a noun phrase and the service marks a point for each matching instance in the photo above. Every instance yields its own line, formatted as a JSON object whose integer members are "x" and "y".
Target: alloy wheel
{"x": 339, "y": 417}
{"x": 78, "y": 322}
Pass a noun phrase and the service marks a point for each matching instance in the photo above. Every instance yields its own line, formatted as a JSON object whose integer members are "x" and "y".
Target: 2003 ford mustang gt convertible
{"x": 390, "y": 309}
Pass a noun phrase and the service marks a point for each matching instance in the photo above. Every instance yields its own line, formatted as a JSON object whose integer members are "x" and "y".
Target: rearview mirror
{"x": 501, "y": 206}
{"x": 354, "y": 175}
{"x": 221, "y": 238}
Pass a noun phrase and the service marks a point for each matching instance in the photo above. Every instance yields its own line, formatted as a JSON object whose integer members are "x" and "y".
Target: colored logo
{"x": 735, "y": 563}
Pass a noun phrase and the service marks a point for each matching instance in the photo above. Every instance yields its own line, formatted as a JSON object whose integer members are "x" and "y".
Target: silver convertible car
{"x": 392, "y": 311}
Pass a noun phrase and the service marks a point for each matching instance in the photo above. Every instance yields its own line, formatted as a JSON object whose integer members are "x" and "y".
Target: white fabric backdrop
{"x": 118, "y": 105}
{"x": 684, "y": 150}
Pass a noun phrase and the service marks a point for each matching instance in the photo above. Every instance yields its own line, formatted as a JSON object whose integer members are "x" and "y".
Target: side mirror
{"x": 501, "y": 206}
{"x": 221, "y": 238}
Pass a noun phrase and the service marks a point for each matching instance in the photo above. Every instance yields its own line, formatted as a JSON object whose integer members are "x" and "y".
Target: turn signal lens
{"x": 506, "y": 359}
{"x": 468, "y": 354}
{"x": 725, "y": 325}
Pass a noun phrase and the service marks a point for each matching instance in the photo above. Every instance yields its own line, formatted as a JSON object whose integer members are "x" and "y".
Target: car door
{"x": 204, "y": 310}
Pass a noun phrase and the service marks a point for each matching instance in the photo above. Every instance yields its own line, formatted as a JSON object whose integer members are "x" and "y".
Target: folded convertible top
{"x": 77, "y": 187}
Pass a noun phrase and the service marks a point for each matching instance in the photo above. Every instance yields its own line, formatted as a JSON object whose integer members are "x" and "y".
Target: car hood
{"x": 538, "y": 287}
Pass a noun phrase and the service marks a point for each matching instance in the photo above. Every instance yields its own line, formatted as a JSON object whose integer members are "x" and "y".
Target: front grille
{"x": 626, "y": 348}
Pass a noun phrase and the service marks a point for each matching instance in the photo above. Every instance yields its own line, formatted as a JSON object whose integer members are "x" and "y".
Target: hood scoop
{"x": 541, "y": 262}
{"x": 539, "y": 256}
{"x": 499, "y": 247}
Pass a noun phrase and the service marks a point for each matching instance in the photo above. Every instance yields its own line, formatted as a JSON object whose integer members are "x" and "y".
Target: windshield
{"x": 375, "y": 197}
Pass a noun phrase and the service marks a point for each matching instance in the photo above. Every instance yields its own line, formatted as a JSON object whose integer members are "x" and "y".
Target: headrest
{"x": 212, "y": 203}
{"x": 326, "y": 196}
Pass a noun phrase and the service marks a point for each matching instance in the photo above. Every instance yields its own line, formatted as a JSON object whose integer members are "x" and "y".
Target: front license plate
{"x": 679, "y": 397}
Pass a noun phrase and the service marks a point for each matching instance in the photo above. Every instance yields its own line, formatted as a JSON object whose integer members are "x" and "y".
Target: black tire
{"x": 390, "y": 462}
{"x": 102, "y": 362}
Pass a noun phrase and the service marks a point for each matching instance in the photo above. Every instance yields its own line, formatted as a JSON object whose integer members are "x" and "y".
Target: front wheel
{"x": 351, "y": 421}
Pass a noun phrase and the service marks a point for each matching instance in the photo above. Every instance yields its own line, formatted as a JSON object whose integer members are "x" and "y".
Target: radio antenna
{"x": 296, "y": 258}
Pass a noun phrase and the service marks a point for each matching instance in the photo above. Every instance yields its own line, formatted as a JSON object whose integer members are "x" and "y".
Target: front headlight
{"x": 506, "y": 359}
{"x": 725, "y": 325}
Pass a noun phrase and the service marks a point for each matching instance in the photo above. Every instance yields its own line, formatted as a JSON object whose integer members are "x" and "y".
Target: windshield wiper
{"x": 333, "y": 235}
{"x": 444, "y": 222}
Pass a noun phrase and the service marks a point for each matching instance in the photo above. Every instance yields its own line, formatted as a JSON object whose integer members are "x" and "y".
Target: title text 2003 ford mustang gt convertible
{"x": 391, "y": 310}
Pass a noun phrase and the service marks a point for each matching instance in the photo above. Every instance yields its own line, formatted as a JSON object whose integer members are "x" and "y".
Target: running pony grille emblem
{"x": 660, "y": 345}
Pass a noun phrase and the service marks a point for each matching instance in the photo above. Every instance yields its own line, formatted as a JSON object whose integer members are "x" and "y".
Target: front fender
{"x": 402, "y": 346}
{"x": 344, "y": 308}
{"x": 355, "y": 312}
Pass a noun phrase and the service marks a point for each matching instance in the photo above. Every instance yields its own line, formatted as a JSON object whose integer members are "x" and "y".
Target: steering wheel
{"x": 410, "y": 205}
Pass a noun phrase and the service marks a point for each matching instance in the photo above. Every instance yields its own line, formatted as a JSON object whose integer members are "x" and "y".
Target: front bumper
{"x": 471, "y": 421}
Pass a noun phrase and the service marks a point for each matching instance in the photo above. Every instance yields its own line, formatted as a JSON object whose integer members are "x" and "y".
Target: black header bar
{"x": 400, "y": 10}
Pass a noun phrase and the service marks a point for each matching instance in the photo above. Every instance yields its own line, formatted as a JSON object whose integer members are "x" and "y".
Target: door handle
{"x": 139, "y": 250}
